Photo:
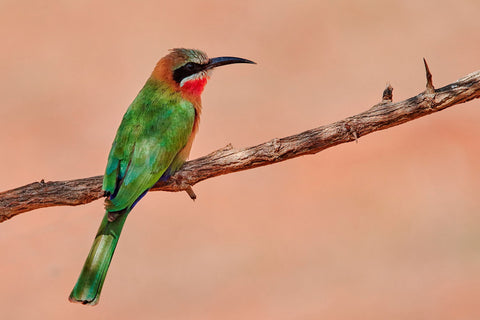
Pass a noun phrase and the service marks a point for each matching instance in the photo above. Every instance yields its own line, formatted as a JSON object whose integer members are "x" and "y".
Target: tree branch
{"x": 381, "y": 116}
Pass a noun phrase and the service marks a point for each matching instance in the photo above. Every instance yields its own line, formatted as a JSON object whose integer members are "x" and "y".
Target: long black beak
{"x": 222, "y": 61}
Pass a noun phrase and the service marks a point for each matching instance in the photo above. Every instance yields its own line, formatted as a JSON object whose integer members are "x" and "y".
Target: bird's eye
{"x": 186, "y": 70}
{"x": 189, "y": 66}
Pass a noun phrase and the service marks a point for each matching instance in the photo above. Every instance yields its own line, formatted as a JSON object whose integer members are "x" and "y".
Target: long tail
{"x": 90, "y": 282}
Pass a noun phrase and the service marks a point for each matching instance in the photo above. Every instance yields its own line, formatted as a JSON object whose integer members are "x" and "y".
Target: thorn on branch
{"x": 387, "y": 95}
{"x": 351, "y": 131}
{"x": 430, "y": 88}
{"x": 225, "y": 149}
{"x": 191, "y": 193}
{"x": 228, "y": 160}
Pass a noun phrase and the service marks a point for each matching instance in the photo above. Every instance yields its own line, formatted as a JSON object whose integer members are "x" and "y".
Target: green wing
{"x": 154, "y": 129}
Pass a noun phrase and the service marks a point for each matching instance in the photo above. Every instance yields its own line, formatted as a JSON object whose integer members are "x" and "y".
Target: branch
{"x": 381, "y": 116}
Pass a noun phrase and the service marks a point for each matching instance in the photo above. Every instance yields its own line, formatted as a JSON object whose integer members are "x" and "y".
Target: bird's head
{"x": 187, "y": 70}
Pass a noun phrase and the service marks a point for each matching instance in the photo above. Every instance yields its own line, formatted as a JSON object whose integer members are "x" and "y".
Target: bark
{"x": 381, "y": 116}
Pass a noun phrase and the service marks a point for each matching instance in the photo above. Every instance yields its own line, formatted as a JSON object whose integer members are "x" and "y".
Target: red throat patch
{"x": 194, "y": 87}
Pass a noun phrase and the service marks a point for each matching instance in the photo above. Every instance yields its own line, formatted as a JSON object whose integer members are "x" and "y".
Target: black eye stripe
{"x": 186, "y": 70}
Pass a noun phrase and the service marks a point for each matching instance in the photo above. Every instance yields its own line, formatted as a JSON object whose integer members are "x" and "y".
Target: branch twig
{"x": 384, "y": 115}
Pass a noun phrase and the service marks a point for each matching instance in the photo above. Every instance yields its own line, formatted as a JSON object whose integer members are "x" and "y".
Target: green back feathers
{"x": 155, "y": 128}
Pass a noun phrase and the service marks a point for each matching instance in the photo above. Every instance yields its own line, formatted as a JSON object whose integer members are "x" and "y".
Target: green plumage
{"x": 155, "y": 128}
{"x": 90, "y": 282}
{"x": 152, "y": 142}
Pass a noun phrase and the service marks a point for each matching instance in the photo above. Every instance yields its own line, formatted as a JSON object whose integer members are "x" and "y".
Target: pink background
{"x": 388, "y": 228}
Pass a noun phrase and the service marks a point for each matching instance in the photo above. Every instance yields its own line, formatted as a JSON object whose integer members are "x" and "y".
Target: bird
{"x": 152, "y": 142}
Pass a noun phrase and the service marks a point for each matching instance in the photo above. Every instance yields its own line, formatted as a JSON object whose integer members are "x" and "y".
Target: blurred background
{"x": 388, "y": 228}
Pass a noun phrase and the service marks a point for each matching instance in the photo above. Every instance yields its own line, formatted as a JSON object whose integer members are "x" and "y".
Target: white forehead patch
{"x": 192, "y": 55}
{"x": 198, "y": 56}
